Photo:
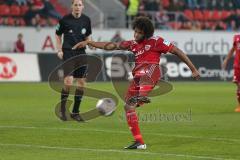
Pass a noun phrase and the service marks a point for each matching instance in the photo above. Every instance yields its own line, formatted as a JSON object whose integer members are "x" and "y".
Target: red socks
{"x": 132, "y": 120}
{"x": 238, "y": 96}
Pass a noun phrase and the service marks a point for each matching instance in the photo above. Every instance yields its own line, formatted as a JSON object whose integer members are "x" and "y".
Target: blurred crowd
{"x": 28, "y": 13}
{"x": 165, "y": 14}
{"x": 187, "y": 14}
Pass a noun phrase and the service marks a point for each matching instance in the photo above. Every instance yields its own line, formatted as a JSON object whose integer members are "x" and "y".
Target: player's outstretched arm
{"x": 89, "y": 38}
{"x": 176, "y": 51}
{"x": 102, "y": 45}
{"x": 230, "y": 54}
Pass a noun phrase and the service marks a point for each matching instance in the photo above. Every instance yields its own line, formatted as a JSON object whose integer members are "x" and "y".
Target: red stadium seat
{"x": 188, "y": 13}
{"x": 53, "y": 21}
{"x": 59, "y": 7}
{"x": 43, "y": 22}
{"x": 125, "y": 2}
{"x": 19, "y": 22}
{"x": 11, "y": 21}
{"x": 1, "y": 20}
{"x": 53, "y": 1}
{"x": 15, "y": 10}
{"x": 212, "y": 24}
{"x": 4, "y": 10}
{"x": 207, "y": 15}
{"x": 22, "y": 22}
{"x": 24, "y": 9}
{"x": 216, "y": 15}
{"x": 165, "y": 3}
{"x": 175, "y": 25}
{"x": 225, "y": 14}
{"x": 198, "y": 15}
{"x": 38, "y": 4}
{"x": 225, "y": 26}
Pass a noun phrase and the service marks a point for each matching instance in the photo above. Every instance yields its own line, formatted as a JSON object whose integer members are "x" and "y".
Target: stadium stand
{"x": 165, "y": 14}
{"x": 30, "y": 12}
{"x": 192, "y": 14}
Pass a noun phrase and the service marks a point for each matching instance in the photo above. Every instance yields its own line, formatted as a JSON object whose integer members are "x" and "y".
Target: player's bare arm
{"x": 229, "y": 55}
{"x": 59, "y": 46}
{"x": 89, "y": 38}
{"x": 102, "y": 45}
{"x": 176, "y": 51}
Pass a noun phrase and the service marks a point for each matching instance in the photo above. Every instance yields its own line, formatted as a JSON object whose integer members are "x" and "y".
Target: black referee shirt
{"x": 74, "y": 30}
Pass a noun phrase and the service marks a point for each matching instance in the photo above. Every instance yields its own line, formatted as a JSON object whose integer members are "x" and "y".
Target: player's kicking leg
{"x": 132, "y": 120}
{"x": 132, "y": 102}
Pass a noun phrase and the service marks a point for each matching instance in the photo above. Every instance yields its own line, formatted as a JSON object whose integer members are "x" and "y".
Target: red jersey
{"x": 149, "y": 50}
{"x": 147, "y": 57}
{"x": 19, "y": 47}
{"x": 236, "y": 44}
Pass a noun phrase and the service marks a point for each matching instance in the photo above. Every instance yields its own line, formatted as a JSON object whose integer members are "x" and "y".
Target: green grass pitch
{"x": 208, "y": 128}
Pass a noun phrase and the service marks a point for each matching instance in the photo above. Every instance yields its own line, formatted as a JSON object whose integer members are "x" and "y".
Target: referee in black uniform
{"x": 74, "y": 27}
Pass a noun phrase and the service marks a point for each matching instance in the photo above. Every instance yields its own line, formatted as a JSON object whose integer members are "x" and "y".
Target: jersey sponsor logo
{"x": 84, "y": 31}
{"x": 8, "y": 68}
{"x": 167, "y": 43}
{"x": 146, "y": 48}
{"x": 140, "y": 52}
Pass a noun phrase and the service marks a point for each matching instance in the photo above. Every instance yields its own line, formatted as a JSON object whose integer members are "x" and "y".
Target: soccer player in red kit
{"x": 236, "y": 78}
{"x": 146, "y": 73}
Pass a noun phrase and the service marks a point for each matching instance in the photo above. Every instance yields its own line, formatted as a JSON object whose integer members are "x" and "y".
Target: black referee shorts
{"x": 74, "y": 63}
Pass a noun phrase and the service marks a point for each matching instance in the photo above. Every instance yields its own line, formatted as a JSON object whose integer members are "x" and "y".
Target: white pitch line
{"x": 113, "y": 150}
{"x": 124, "y": 132}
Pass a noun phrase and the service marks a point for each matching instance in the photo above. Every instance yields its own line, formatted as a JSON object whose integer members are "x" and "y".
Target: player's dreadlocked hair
{"x": 73, "y": 1}
{"x": 144, "y": 24}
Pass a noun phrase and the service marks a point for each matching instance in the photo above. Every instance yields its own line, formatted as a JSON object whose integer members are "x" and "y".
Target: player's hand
{"x": 224, "y": 65}
{"x": 80, "y": 45}
{"x": 60, "y": 54}
{"x": 91, "y": 47}
{"x": 196, "y": 75}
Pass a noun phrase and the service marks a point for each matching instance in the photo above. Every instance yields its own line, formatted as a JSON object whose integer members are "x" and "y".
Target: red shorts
{"x": 236, "y": 76}
{"x": 144, "y": 80}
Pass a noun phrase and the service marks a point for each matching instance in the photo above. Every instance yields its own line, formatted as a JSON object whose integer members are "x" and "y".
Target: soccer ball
{"x": 106, "y": 106}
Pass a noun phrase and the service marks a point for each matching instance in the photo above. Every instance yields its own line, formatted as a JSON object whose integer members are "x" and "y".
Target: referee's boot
{"x": 63, "y": 116}
{"x": 76, "y": 117}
